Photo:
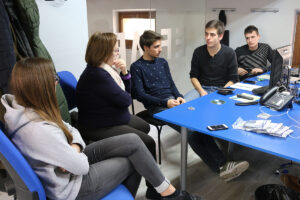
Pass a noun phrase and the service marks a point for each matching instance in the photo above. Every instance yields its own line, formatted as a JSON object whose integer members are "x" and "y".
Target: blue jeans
{"x": 194, "y": 94}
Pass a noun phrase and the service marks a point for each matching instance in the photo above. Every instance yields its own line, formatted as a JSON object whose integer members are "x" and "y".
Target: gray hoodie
{"x": 45, "y": 147}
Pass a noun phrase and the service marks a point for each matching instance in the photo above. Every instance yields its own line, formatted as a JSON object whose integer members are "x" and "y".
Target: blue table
{"x": 206, "y": 113}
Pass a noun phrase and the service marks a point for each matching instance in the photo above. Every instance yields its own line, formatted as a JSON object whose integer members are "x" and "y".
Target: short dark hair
{"x": 148, "y": 38}
{"x": 250, "y": 29}
{"x": 217, "y": 24}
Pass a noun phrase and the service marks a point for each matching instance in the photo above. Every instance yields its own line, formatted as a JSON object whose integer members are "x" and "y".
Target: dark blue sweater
{"x": 100, "y": 101}
{"x": 152, "y": 82}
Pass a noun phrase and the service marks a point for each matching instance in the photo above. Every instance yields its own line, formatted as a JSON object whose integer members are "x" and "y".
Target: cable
{"x": 293, "y": 126}
{"x": 292, "y": 118}
{"x": 260, "y": 109}
{"x": 290, "y": 135}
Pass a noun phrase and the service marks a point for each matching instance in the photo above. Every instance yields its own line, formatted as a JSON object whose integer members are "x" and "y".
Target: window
{"x": 136, "y": 21}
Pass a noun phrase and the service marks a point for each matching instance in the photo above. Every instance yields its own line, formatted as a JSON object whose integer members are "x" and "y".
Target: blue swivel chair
{"x": 68, "y": 84}
{"x": 27, "y": 186}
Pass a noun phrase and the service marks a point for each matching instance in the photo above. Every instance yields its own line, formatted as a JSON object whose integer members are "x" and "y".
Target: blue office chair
{"x": 68, "y": 84}
{"x": 26, "y": 184}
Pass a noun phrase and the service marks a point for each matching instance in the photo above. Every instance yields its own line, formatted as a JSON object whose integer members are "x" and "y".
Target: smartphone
{"x": 217, "y": 127}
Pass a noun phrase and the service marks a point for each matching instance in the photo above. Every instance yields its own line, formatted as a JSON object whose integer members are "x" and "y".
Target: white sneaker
{"x": 233, "y": 169}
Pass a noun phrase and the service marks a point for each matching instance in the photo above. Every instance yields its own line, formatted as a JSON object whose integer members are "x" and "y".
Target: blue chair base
{"x": 120, "y": 192}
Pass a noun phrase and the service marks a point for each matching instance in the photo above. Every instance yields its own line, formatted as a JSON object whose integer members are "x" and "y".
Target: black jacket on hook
{"x": 7, "y": 55}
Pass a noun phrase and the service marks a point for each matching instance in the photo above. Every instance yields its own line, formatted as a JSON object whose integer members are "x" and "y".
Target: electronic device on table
{"x": 277, "y": 98}
{"x": 217, "y": 127}
{"x": 280, "y": 72}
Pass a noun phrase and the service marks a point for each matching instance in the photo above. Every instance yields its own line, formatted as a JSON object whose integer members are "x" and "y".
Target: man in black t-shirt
{"x": 252, "y": 57}
{"x": 213, "y": 65}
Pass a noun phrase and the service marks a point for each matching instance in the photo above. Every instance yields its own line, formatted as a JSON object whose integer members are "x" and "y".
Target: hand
{"x": 172, "y": 103}
{"x": 256, "y": 71}
{"x": 181, "y": 100}
{"x": 77, "y": 147}
{"x": 121, "y": 65}
{"x": 203, "y": 93}
{"x": 242, "y": 72}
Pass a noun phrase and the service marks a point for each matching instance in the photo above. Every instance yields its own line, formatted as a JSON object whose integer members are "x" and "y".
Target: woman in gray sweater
{"x": 66, "y": 167}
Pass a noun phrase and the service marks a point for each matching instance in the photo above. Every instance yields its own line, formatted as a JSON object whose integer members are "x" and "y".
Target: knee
{"x": 133, "y": 138}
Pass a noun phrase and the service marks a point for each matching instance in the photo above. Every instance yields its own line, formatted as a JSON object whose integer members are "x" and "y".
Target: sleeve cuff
{"x": 126, "y": 77}
{"x": 165, "y": 103}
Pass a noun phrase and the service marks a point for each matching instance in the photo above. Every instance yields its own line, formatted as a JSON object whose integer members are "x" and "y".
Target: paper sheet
{"x": 264, "y": 76}
{"x": 245, "y": 86}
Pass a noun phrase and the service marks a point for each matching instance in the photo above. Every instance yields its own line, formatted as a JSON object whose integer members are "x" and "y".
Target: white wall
{"x": 64, "y": 32}
{"x": 185, "y": 18}
{"x": 276, "y": 29}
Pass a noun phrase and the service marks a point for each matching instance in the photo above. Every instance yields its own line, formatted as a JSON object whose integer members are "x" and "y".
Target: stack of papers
{"x": 245, "y": 86}
{"x": 263, "y": 126}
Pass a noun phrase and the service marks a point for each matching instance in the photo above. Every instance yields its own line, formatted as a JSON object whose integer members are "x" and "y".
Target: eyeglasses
{"x": 56, "y": 78}
{"x": 116, "y": 50}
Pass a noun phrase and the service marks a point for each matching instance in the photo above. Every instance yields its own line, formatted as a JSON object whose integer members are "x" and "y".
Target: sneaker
{"x": 183, "y": 195}
{"x": 152, "y": 194}
{"x": 233, "y": 169}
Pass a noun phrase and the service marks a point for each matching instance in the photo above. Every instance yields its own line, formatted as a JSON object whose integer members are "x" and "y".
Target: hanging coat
{"x": 7, "y": 55}
{"x": 22, "y": 45}
{"x": 28, "y": 16}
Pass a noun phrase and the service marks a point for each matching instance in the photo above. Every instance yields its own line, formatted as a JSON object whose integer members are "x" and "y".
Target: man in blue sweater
{"x": 153, "y": 84}
{"x": 154, "y": 87}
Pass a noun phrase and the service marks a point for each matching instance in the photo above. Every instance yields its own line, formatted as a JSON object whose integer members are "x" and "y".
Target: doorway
{"x": 296, "y": 52}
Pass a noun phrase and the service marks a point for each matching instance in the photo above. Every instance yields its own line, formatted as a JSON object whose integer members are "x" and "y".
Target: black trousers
{"x": 203, "y": 145}
{"x": 135, "y": 125}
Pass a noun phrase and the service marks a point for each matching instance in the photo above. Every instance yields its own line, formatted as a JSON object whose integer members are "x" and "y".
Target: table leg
{"x": 183, "y": 158}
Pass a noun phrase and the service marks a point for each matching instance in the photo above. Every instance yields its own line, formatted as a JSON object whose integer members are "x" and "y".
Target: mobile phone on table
{"x": 217, "y": 127}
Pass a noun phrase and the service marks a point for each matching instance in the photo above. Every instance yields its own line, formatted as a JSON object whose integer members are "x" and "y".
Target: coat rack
{"x": 273, "y": 10}
{"x": 226, "y": 9}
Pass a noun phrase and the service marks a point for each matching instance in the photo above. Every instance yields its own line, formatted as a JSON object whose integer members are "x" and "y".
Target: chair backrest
{"x": 27, "y": 184}
{"x": 68, "y": 83}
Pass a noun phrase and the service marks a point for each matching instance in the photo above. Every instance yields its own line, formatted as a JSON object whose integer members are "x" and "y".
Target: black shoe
{"x": 183, "y": 195}
{"x": 152, "y": 194}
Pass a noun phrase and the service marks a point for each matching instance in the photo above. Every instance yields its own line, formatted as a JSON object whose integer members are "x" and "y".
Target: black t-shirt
{"x": 214, "y": 71}
{"x": 249, "y": 60}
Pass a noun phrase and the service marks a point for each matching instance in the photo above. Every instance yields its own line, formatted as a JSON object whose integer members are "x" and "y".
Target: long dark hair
{"x": 33, "y": 85}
